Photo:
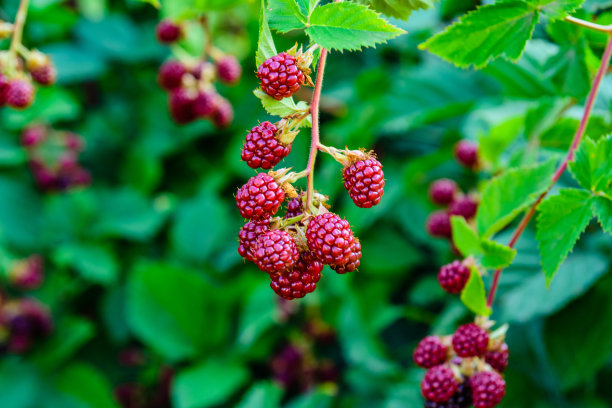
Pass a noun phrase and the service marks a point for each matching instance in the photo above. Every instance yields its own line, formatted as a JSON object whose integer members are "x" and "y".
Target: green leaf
{"x": 285, "y": 15}
{"x": 20, "y": 210}
{"x": 262, "y": 395}
{"x": 70, "y": 334}
{"x": 556, "y": 9}
{"x": 349, "y": 26}
{"x": 87, "y": 385}
{"x": 399, "y": 8}
{"x": 496, "y": 255}
{"x": 491, "y": 31}
{"x": 492, "y": 144}
{"x": 265, "y": 44}
{"x": 464, "y": 237}
{"x": 592, "y": 166}
{"x": 283, "y": 108}
{"x": 473, "y": 295}
{"x": 602, "y": 209}
{"x": 507, "y": 195}
{"x": 561, "y": 220}
{"x": 94, "y": 263}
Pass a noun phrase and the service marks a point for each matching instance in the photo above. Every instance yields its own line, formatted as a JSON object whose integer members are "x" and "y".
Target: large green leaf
{"x": 602, "y": 209}
{"x": 283, "y": 108}
{"x": 87, "y": 385}
{"x": 262, "y": 395}
{"x": 592, "y": 166}
{"x": 399, "y": 8}
{"x": 285, "y": 15}
{"x": 94, "y": 263}
{"x": 473, "y": 295}
{"x": 265, "y": 43}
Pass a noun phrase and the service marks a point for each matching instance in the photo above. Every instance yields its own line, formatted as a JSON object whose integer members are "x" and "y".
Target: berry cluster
{"x": 465, "y": 369}
{"x": 54, "y": 158}
{"x": 191, "y": 83}
{"x": 23, "y": 322}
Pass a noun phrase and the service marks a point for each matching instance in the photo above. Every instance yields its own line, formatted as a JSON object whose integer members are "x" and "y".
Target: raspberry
{"x": 223, "y": 115}
{"x": 262, "y": 148}
{"x": 229, "y": 69}
{"x": 280, "y": 76}
{"x": 205, "y": 103}
{"x": 466, "y": 154}
{"x": 439, "y": 384}
{"x": 438, "y": 224}
{"x": 462, "y": 398}
{"x": 470, "y": 340}
{"x": 330, "y": 239}
{"x": 498, "y": 358}
{"x": 46, "y": 75}
{"x": 463, "y": 206}
{"x": 248, "y": 236}
{"x": 488, "y": 389}
{"x": 3, "y": 84}
{"x": 33, "y": 135}
{"x": 73, "y": 142}
{"x": 181, "y": 105}
{"x": 275, "y": 251}
{"x": 19, "y": 93}
{"x": 365, "y": 182}
{"x": 259, "y": 198}
{"x": 353, "y": 262}
{"x": 299, "y": 281}
{"x": 170, "y": 74}
{"x": 442, "y": 191}
{"x": 430, "y": 352}
{"x": 294, "y": 207}
{"x": 453, "y": 277}
{"x": 168, "y": 32}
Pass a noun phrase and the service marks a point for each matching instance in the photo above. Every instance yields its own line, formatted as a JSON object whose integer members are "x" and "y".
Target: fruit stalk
{"x": 18, "y": 26}
{"x": 603, "y": 69}
{"x": 587, "y": 24}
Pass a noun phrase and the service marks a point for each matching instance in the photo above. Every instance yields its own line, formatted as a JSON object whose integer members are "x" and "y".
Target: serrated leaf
{"x": 473, "y": 295}
{"x": 491, "y": 31}
{"x": 602, "y": 209}
{"x": 349, "y": 26}
{"x": 592, "y": 167}
{"x": 464, "y": 237}
{"x": 284, "y": 107}
{"x": 285, "y": 15}
{"x": 399, "y": 8}
{"x": 265, "y": 43}
{"x": 561, "y": 220}
{"x": 556, "y": 9}
{"x": 496, "y": 255}
{"x": 505, "y": 196}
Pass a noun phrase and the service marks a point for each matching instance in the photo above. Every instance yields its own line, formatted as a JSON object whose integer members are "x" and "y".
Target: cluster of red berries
{"x": 191, "y": 83}
{"x": 465, "y": 369}
{"x": 54, "y": 158}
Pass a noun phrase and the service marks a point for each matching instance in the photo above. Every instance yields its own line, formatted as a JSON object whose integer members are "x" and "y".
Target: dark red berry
{"x": 259, "y": 198}
{"x": 223, "y": 115}
{"x": 442, "y": 191}
{"x": 27, "y": 274}
{"x": 248, "y": 236}
{"x": 294, "y": 207}
{"x": 19, "y": 93}
{"x": 3, "y": 85}
{"x": 439, "y": 384}
{"x": 430, "y": 352}
{"x": 275, "y": 251}
{"x": 46, "y": 75}
{"x": 170, "y": 75}
{"x": 300, "y": 280}
{"x": 168, "y": 32}
{"x": 365, "y": 182}
{"x": 74, "y": 142}
{"x": 205, "y": 103}
{"x": 454, "y": 276}
{"x": 462, "y": 398}
{"x": 181, "y": 105}
{"x": 438, "y": 224}
{"x": 229, "y": 69}
{"x": 353, "y": 262}
{"x": 470, "y": 340}
{"x": 330, "y": 239}
{"x": 262, "y": 149}
{"x": 488, "y": 389}
{"x": 498, "y": 358}
{"x": 280, "y": 76}
{"x": 33, "y": 135}
{"x": 466, "y": 154}
{"x": 464, "y": 206}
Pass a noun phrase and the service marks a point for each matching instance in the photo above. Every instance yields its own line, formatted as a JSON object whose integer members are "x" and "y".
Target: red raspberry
{"x": 74, "y": 142}
{"x": 181, "y": 105}
{"x": 3, "y": 85}
{"x": 438, "y": 224}
{"x": 45, "y": 76}
{"x": 33, "y": 135}
{"x": 453, "y": 277}
{"x": 248, "y": 236}
{"x": 430, "y": 352}
{"x": 466, "y": 154}
{"x": 229, "y": 69}
{"x": 498, "y": 358}
{"x": 442, "y": 191}
{"x": 259, "y": 198}
{"x": 275, "y": 251}
{"x": 223, "y": 115}
{"x": 439, "y": 384}
{"x": 280, "y": 76}
{"x": 353, "y": 262}
{"x": 464, "y": 206}
{"x": 294, "y": 207}
{"x": 262, "y": 148}
{"x": 168, "y": 31}
{"x": 470, "y": 340}
{"x": 19, "y": 93}
{"x": 299, "y": 281}
{"x": 365, "y": 182}
{"x": 205, "y": 103}
{"x": 330, "y": 239}
{"x": 462, "y": 398}
{"x": 488, "y": 389}
{"x": 170, "y": 74}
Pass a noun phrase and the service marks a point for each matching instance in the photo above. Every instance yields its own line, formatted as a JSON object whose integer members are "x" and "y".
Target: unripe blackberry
{"x": 181, "y": 105}
{"x": 438, "y": 224}
{"x": 353, "y": 262}
{"x": 33, "y": 135}
{"x": 3, "y": 85}
{"x": 41, "y": 68}
{"x": 442, "y": 191}
{"x": 170, "y": 74}
{"x": 439, "y": 384}
{"x": 223, "y": 115}
{"x": 19, "y": 93}
{"x": 294, "y": 207}
{"x": 280, "y": 76}
{"x": 330, "y": 239}
{"x": 248, "y": 236}
{"x": 462, "y": 398}
{"x": 365, "y": 182}
{"x": 498, "y": 358}
{"x": 453, "y": 277}
{"x": 275, "y": 251}
{"x": 259, "y": 198}
{"x": 300, "y": 280}
{"x": 262, "y": 149}
{"x": 205, "y": 103}
{"x": 168, "y": 31}
{"x": 430, "y": 352}
{"x": 464, "y": 206}
{"x": 466, "y": 154}
{"x": 470, "y": 340}
{"x": 229, "y": 69}
{"x": 488, "y": 389}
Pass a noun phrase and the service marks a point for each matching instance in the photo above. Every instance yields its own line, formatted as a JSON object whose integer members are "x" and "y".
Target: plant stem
{"x": 587, "y": 24}
{"x": 18, "y": 26}
{"x": 588, "y": 107}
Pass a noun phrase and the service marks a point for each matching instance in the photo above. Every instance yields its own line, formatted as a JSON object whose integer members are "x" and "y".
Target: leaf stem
{"x": 587, "y": 24}
{"x": 603, "y": 68}
{"x": 20, "y": 19}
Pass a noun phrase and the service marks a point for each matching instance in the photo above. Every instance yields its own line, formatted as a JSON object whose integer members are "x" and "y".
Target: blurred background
{"x": 145, "y": 301}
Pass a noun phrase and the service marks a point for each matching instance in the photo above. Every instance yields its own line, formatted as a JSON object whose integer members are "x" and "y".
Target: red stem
{"x": 603, "y": 68}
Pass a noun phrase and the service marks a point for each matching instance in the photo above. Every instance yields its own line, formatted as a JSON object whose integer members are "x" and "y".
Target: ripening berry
{"x": 3, "y": 85}
{"x": 262, "y": 149}
{"x": 439, "y": 384}
{"x": 280, "y": 76}
{"x": 453, "y": 277}
{"x": 170, "y": 74}
{"x": 260, "y": 197}
{"x": 353, "y": 262}
{"x": 470, "y": 340}
{"x": 248, "y": 236}
{"x": 229, "y": 69}
{"x": 275, "y": 251}
{"x": 430, "y": 352}
{"x": 330, "y": 239}
{"x": 223, "y": 115}
{"x": 27, "y": 274}
{"x": 464, "y": 206}
{"x": 294, "y": 207}
{"x": 488, "y": 389}
{"x": 466, "y": 154}
{"x": 19, "y": 93}
{"x": 365, "y": 182}
{"x": 28, "y": 320}
{"x": 442, "y": 191}
{"x": 41, "y": 68}
{"x": 300, "y": 280}
{"x": 33, "y": 135}
{"x": 438, "y": 224}
{"x": 168, "y": 31}
{"x": 205, "y": 103}
{"x": 181, "y": 105}
{"x": 498, "y": 358}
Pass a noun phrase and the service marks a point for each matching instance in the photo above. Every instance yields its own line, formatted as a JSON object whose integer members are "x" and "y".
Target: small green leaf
{"x": 265, "y": 44}
{"x": 473, "y": 295}
{"x": 602, "y": 208}
{"x": 464, "y": 237}
{"x": 592, "y": 166}
{"x": 285, "y": 15}
{"x": 349, "y": 26}
{"x": 496, "y": 255}
{"x": 283, "y": 108}
{"x": 94, "y": 263}
{"x": 399, "y": 8}
{"x": 85, "y": 384}
{"x": 556, "y": 9}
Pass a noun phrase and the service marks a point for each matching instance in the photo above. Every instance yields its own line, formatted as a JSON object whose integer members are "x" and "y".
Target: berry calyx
{"x": 260, "y": 197}
{"x": 248, "y": 237}
{"x": 470, "y": 340}
{"x": 466, "y": 154}
{"x": 442, "y": 191}
{"x": 453, "y": 277}
{"x": 223, "y": 115}
{"x": 275, "y": 251}
{"x": 438, "y": 224}
{"x": 430, "y": 352}
{"x": 498, "y": 358}
{"x": 19, "y": 93}
{"x": 170, "y": 74}
{"x": 439, "y": 384}
{"x": 353, "y": 262}
{"x": 262, "y": 149}
{"x": 280, "y": 76}
{"x": 168, "y": 32}
{"x": 464, "y": 206}
{"x": 330, "y": 239}
{"x": 300, "y": 280}
{"x": 488, "y": 389}
{"x": 365, "y": 182}
{"x": 229, "y": 69}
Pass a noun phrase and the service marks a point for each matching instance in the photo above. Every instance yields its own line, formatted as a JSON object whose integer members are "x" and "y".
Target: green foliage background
{"x": 147, "y": 256}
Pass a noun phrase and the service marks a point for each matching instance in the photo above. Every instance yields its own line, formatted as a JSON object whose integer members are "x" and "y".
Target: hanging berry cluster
{"x": 190, "y": 82}
{"x": 294, "y": 248}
